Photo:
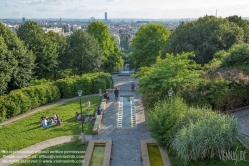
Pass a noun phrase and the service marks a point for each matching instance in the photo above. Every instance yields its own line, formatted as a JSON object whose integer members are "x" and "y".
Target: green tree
{"x": 109, "y": 46}
{"x": 41, "y": 45}
{"x": 18, "y": 57}
{"x": 84, "y": 52}
{"x": 174, "y": 72}
{"x": 148, "y": 44}
{"x": 244, "y": 24}
{"x": 6, "y": 67}
{"x": 61, "y": 46}
{"x": 124, "y": 42}
{"x": 204, "y": 37}
{"x": 237, "y": 55}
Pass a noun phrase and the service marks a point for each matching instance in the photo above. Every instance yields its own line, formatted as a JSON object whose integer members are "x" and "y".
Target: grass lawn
{"x": 28, "y": 131}
{"x": 217, "y": 161}
{"x": 65, "y": 154}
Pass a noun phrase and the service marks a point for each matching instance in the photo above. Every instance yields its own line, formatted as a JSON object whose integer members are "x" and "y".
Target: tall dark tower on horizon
{"x": 23, "y": 20}
{"x": 105, "y": 16}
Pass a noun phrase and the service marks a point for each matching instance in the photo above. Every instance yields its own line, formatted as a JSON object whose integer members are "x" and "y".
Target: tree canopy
{"x": 61, "y": 46}
{"x": 204, "y": 37}
{"x": 84, "y": 52}
{"x": 16, "y": 59}
{"x": 42, "y": 47}
{"x": 148, "y": 43}
{"x": 174, "y": 72}
{"x": 108, "y": 44}
{"x": 244, "y": 24}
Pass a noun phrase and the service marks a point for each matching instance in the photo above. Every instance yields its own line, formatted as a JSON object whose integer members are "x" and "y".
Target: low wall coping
{"x": 89, "y": 152}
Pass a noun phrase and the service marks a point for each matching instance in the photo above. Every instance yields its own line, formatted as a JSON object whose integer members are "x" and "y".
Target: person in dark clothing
{"x": 106, "y": 96}
{"x": 132, "y": 86}
{"x": 116, "y": 93}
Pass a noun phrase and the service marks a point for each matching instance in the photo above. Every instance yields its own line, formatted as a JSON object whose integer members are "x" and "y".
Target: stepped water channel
{"x": 126, "y": 112}
{"x": 125, "y": 136}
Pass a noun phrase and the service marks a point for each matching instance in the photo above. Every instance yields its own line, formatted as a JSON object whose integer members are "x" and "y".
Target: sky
{"x": 146, "y": 9}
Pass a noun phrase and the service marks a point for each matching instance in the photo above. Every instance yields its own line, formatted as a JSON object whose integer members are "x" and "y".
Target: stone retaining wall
{"x": 98, "y": 121}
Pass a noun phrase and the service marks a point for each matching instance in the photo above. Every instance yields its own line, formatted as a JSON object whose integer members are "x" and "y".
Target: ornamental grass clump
{"x": 203, "y": 134}
{"x": 164, "y": 116}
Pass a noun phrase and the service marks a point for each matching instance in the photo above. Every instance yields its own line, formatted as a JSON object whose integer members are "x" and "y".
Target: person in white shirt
{"x": 88, "y": 113}
{"x": 45, "y": 123}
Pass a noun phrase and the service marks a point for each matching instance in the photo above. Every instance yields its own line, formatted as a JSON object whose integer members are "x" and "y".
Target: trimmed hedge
{"x": 23, "y": 100}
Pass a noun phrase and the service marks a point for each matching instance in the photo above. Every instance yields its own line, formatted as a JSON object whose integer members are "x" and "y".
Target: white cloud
{"x": 123, "y": 8}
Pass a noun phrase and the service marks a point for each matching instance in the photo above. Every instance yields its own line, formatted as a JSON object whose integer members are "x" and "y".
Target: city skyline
{"x": 144, "y": 9}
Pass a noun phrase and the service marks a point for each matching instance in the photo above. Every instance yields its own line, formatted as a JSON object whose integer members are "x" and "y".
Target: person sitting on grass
{"x": 88, "y": 103}
{"x": 58, "y": 122}
{"x": 54, "y": 116}
{"x": 45, "y": 123}
{"x": 76, "y": 115}
{"x": 50, "y": 121}
{"x": 79, "y": 117}
{"x": 87, "y": 119}
{"x": 88, "y": 113}
{"x": 43, "y": 116}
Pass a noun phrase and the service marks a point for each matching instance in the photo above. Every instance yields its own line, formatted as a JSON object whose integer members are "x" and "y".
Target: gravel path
{"x": 126, "y": 142}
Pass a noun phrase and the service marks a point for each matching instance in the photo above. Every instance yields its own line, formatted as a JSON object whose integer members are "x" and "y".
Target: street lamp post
{"x": 170, "y": 92}
{"x": 82, "y": 121}
{"x": 100, "y": 90}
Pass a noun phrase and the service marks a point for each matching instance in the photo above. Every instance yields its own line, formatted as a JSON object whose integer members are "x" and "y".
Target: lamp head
{"x": 170, "y": 92}
{"x": 79, "y": 92}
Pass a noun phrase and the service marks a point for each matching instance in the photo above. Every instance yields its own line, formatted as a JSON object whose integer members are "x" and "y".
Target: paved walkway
{"x": 126, "y": 149}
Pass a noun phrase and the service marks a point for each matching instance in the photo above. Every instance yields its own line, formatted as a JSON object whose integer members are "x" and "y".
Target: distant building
{"x": 54, "y": 29}
{"x": 76, "y": 27}
{"x": 105, "y": 16}
{"x": 23, "y": 20}
{"x": 92, "y": 19}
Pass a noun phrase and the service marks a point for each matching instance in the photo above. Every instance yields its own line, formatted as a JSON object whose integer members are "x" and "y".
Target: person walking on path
{"x": 116, "y": 94}
{"x": 132, "y": 86}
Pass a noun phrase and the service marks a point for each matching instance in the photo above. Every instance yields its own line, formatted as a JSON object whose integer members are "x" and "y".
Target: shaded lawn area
{"x": 65, "y": 154}
{"x": 237, "y": 147}
{"x": 28, "y": 131}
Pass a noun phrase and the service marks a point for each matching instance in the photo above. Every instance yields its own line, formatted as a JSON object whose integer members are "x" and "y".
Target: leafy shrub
{"x": 39, "y": 82}
{"x": 2, "y": 108}
{"x": 20, "y": 102}
{"x": 237, "y": 55}
{"x": 66, "y": 87}
{"x": 202, "y": 134}
{"x": 164, "y": 116}
{"x": 84, "y": 83}
{"x": 218, "y": 94}
{"x": 25, "y": 99}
